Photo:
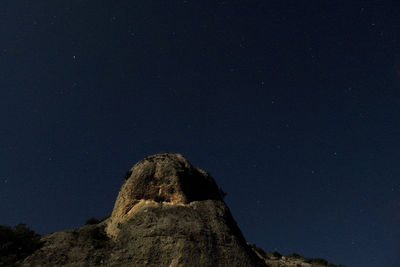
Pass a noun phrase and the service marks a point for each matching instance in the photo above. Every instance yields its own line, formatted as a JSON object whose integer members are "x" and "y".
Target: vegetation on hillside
{"x": 17, "y": 243}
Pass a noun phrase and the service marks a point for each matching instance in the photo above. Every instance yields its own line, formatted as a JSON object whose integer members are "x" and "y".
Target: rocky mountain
{"x": 167, "y": 213}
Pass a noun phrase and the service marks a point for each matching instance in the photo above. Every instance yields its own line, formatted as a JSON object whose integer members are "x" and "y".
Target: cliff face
{"x": 167, "y": 213}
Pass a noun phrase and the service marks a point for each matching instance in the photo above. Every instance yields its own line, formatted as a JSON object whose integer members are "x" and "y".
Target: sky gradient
{"x": 293, "y": 108}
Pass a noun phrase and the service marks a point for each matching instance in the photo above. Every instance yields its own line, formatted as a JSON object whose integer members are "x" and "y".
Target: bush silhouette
{"x": 92, "y": 220}
{"x": 222, "y": 193}
{"x": 319, "y": 261}
{"x": 17, "y": 243}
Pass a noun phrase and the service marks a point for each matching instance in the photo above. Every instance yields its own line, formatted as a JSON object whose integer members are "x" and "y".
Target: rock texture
{"x": 161, "y": 180}
{"x": 167, "y": 213}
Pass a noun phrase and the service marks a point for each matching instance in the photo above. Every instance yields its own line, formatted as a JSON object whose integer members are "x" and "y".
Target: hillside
{"x": 167, "y": 213}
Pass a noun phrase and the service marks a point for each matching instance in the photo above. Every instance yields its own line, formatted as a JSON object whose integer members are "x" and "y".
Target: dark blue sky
{"x": 292, "y": 106}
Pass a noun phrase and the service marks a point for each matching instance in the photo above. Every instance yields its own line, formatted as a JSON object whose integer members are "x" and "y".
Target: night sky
{"x": 292, "y": 106}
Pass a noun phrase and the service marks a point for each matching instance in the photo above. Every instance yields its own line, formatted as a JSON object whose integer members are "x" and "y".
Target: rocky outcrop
{"x": 167, "y": 213}
{"x": 161, "y": 180}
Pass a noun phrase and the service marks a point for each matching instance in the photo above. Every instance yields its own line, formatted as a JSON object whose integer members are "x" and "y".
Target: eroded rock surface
{"x": 166, "y": 179}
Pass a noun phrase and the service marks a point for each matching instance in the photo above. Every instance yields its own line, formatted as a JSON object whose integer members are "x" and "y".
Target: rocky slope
{"x": 167, "y": 213}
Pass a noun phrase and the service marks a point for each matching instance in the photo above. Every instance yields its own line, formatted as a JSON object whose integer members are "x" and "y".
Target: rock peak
{"x": 163, "y": 179}
{"x": 169, "y": 177}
